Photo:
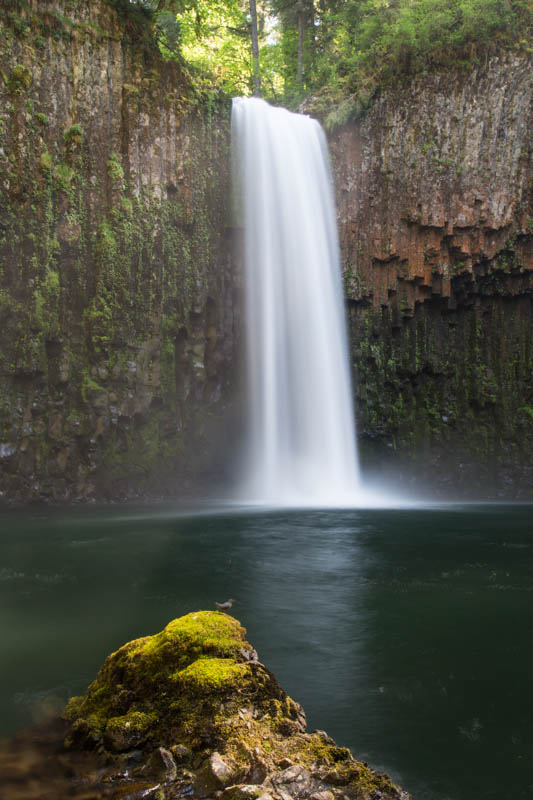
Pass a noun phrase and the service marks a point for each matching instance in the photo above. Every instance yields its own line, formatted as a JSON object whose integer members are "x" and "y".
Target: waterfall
{"x": 301, "y": 445}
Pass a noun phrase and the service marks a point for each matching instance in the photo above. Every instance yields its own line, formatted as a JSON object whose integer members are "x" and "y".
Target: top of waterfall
{"x": 259, "y": 103}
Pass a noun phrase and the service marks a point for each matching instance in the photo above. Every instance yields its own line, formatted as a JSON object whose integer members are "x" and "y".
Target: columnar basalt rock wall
{"x": 117, "y": 328}
{"x": 117, "y": 294}
{"x": 435, "y": 204}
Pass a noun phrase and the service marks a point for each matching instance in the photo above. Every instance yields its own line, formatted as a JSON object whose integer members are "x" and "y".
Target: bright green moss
{"x": 212, "y": 631}
{"x": 73, "y": 136}
{"x": 128, "y": 730}
{"x": 191, "y": 663}
{"x": 114, "y": 168}
{"x": 212, "y": 675}
{"x": 45, "y": 161}
{"x": 198, "y": 635}
{"x": 63, "y": 175}
{"x": 20, "y": 79}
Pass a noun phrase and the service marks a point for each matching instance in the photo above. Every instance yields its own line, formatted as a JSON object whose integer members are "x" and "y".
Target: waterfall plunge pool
{"x": 406, "y": 634}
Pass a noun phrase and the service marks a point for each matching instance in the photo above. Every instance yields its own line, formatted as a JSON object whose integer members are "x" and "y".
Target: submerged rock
{"x": 191, "y": 712}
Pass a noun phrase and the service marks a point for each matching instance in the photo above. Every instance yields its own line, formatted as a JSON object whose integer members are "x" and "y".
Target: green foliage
{"x": 168, "y": 32}
{"x": 20, "y": 79}
{"x": 297, "y": 25}
{"x": 414, "y": 36}
{"x": 63, "y": 175}
{"x": 341, "y": 51}
{"x": 212, "y": 37}
{"x": 362, "y": 46}
{"x": 214, "y": 41}
{"x": 137, "y": 12}
{"x": 73, "y": 136}
{"x": 115, "y": 169}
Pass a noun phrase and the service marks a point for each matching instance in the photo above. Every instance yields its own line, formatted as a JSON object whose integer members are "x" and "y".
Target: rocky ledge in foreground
{"x": 192, "y": 713}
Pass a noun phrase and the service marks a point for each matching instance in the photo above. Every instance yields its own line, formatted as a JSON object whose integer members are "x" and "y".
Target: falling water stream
{"x": 301, "y": 432}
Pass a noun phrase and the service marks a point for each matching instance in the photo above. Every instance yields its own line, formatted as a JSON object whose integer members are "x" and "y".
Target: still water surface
{"x": 407, "y": 635}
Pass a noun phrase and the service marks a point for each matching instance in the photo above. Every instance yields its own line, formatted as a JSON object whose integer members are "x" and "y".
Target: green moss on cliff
{"x": 435, "y": 388}
{"x": 105, "y": 259}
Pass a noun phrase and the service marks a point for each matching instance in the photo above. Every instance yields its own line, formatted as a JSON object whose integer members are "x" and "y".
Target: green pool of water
{"x": 407, "y": 635}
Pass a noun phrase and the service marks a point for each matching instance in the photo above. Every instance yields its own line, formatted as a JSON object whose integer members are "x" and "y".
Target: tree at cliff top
{"x": 349, "y": 48}
{"x": 219, "y": 40}
{"x": 341, "y": 51}
{"x": 233, "y": 43}
{"x": 299, "y": 25}
{"x": 255, "y": 46}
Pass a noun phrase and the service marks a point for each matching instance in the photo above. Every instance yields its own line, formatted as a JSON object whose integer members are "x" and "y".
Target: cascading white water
{"x": 301, "y": 438}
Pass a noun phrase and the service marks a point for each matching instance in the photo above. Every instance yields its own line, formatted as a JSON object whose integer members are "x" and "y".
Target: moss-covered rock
{"x": 212, "y": 719}
{"x": 168, "y": 687}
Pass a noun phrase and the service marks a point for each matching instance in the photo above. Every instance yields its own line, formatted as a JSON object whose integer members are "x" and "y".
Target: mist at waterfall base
{"x": 300, "y": 439}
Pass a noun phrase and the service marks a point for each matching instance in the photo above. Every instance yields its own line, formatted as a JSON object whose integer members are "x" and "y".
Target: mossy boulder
{"x": 177, "y": 686}
{"x": 197, "y": 693}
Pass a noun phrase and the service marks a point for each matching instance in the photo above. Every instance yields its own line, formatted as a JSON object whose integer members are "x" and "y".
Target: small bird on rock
{"x": 224, "y": 606}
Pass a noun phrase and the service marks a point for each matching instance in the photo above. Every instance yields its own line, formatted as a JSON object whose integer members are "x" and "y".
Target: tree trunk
{"x": 312, "y": 26}
{"x": 300, "y": 72}
{"x": 255, "y": 48}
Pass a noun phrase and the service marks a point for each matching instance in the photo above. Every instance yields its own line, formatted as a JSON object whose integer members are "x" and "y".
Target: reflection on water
{"x": 405, "y": 634}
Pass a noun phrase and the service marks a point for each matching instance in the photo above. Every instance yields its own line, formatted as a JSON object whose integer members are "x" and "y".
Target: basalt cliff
{"x": 117, "y": 335}
{"x": 119, "y": 283}
{"x": 435, "y": 206}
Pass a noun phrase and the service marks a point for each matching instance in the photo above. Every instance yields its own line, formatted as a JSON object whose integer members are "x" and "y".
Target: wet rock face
{"x": 185, "y": 713}
{"x": 117, "y": 335}
{"x": 435, "y": 209}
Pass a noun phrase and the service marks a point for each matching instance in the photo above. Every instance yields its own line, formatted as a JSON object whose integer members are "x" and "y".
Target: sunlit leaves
{"x": 214, "y": 38}
{"x": 339, "y": 48}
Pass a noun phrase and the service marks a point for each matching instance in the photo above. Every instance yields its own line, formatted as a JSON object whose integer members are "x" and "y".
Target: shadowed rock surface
{"x": 189, "y": 712}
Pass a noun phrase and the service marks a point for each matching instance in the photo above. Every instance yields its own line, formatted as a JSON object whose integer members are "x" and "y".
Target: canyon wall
{"x": 435, "y": 205}
{"x": 119, "y": 296}
{"x": 116, "y": 282}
